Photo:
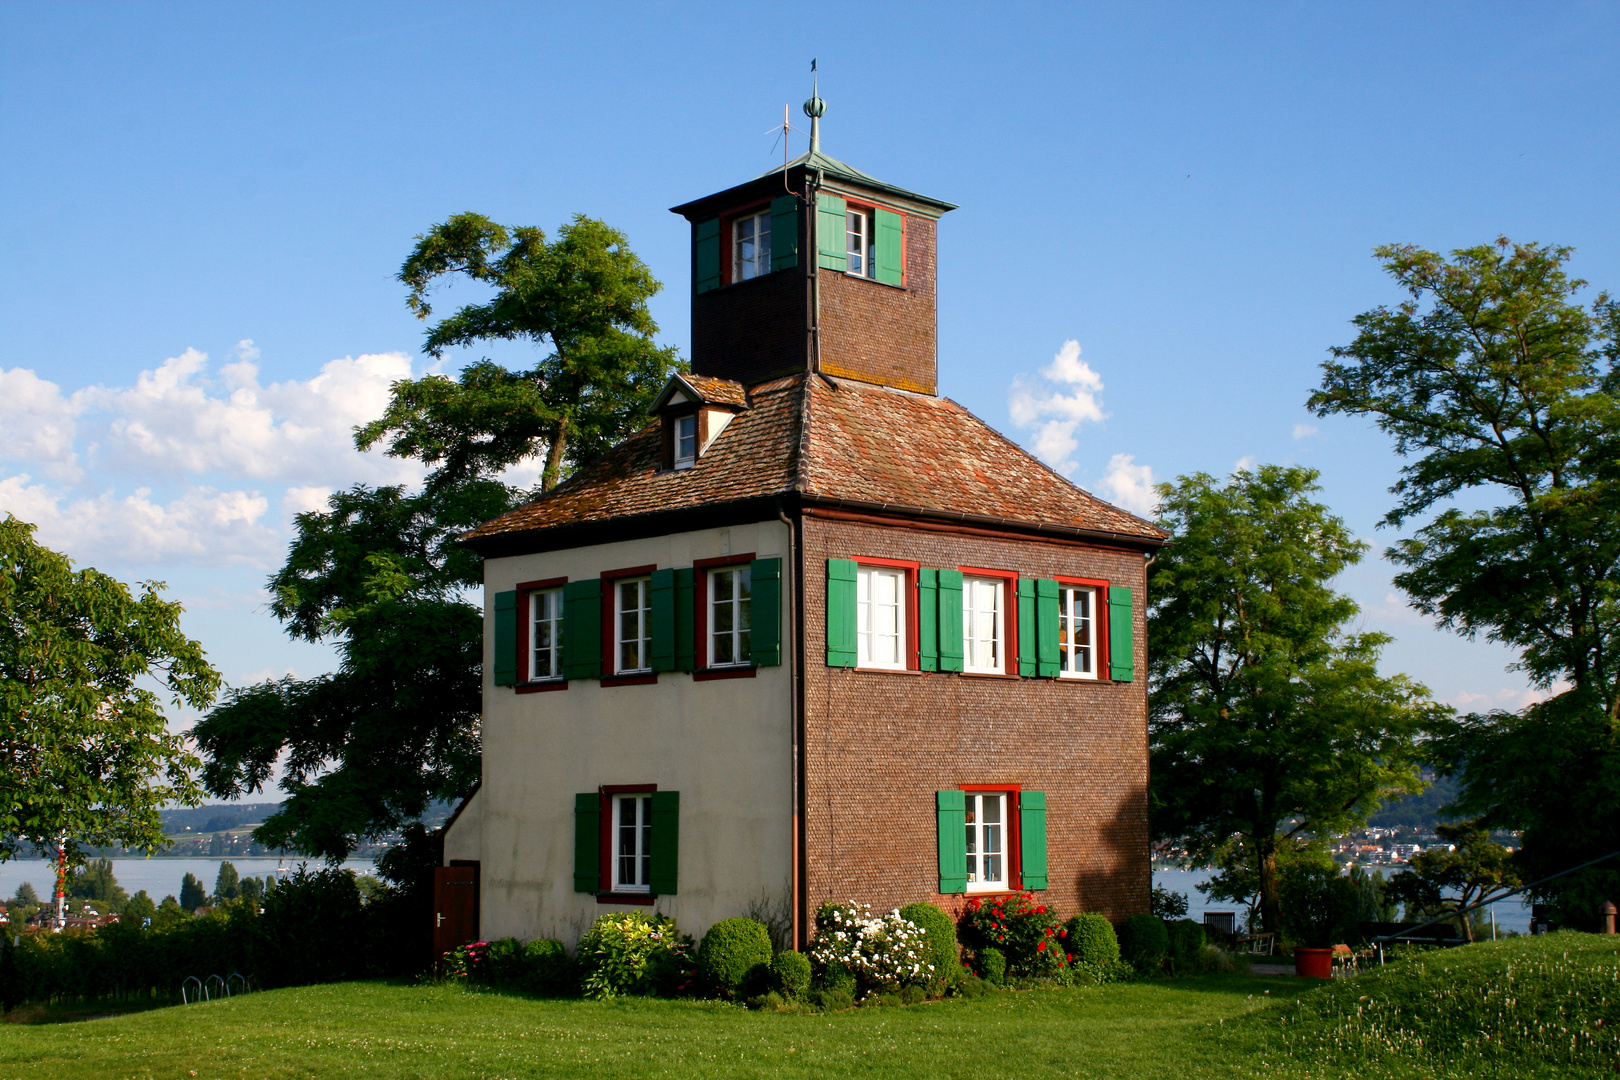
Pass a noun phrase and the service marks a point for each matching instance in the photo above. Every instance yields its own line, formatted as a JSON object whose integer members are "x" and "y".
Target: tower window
{"x": 685, "y": 441}
{"x": 751, "y": 246}
{"x": 858, "y": 235}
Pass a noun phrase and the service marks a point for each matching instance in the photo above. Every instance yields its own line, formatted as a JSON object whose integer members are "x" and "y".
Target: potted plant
{"x": 1318, "y": 912}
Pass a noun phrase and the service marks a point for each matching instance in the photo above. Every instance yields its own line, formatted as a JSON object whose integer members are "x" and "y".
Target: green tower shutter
{"x": 1121, "y": 635}
{"x": 1026, "y": 627}
{"x": 706, "y": 255}
{"x": 951, "y": 807}
{"x": 841, "y": 643}
{"x": 506, "y": 626}
{"x": 661, "y": 595}
{"x": 890, "y": 241}
{"x": 665, "y": 842}
{"x": 928, "y": 619}
{"x": 582, "y": 629}
{"x": 587, "y": 842}
{"x": 1048, "y": 658}
{"x": 765, "y": 612}
{"x": 685, "y": 619}
{"x": 832, "y": 226}
{"x": 950, "y": 620}
{"x": 784, "y": 232}
{"x": 1032, "y": 838}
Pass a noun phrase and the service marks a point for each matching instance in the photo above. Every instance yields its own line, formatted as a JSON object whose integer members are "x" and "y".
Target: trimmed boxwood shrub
{"x": 731, "y": 951}
{"x": 1186, "y": 944}
{"x": 941, "y": 931}
{"x": 993, "y": 965}
{"x": 549, "y": 969}
{"x": 1091, "y": 938}
{"x": 1143, "y": 942}
{"x": 792, "y": 971}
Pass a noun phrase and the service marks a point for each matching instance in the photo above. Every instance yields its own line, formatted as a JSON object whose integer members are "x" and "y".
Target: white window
{"x": 634, "y": 626}
{"x": 986, "y": 841}
{"x": 632, "y": 853}
{"x": 685, "y": 441}
{"x": 751, "y": 246}
{"x": 880, "y": 616}
{"x": 729, "y": 593}
{"x": 545, "y": 634}
{"x": 983, "y": 625}
{"x": 1076, "y": 648}
{"x": 858, "y": 242}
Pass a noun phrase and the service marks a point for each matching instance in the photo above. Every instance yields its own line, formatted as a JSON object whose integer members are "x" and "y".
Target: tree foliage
{"x": 1270, "y": 723}
{"x": 84, "y": 669}
{"x": 1498, "y": 387}
{"x": 583, "y": 296}
{"x": 1471, "y": 869}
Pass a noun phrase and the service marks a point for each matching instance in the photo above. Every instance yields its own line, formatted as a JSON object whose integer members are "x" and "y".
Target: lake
{"x": 159, "y": 877}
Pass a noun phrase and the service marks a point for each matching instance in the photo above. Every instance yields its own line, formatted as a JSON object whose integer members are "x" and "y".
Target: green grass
{"x": 1540, "y": 999}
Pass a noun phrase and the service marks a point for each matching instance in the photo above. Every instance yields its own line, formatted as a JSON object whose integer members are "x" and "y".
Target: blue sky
{"x": 204, "y": 206}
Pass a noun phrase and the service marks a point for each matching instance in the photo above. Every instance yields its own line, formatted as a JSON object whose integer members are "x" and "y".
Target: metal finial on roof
{"x": 813, "y": 109}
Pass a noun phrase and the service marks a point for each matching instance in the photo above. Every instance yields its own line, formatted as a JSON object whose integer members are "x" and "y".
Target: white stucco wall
{"x": 723, "y": 744}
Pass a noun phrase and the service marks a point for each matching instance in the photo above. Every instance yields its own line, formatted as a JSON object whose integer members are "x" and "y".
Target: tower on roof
{"x": 815, "y": 266}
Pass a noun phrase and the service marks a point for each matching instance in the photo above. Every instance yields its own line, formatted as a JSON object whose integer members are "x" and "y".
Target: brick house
{"x": 817, "y": 633}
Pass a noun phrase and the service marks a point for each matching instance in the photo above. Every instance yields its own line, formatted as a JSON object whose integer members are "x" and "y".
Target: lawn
{"x": 1542, "y": 1007}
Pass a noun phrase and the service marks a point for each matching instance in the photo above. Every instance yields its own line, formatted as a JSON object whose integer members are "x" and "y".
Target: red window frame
{"x": 1014, "y": 852}
{"x": 701, "y": 671}
{"x": 909, "y": 589}
{"x": 1009, "y": 618}
{"x": 728, "y": 240}
{"x": 604, "y": 870}
{"x": 610, "y": 620}
{"x": 525, "y": 685}
{"x": 1098, "y": 619}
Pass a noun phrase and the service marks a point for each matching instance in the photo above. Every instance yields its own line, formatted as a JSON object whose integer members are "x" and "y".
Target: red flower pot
{"x": 1313, "y": 963}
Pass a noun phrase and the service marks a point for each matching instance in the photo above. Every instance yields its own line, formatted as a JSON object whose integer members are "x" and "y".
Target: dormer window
{"x": 751, "y": 246}
{"x": 686, "y": 441}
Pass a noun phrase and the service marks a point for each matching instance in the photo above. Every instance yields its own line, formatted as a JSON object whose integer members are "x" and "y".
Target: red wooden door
{"x": 455, "y": 907}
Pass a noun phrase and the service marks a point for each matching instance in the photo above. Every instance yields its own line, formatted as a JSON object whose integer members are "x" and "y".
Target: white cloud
{"x": 1056, "y": 406}
{"x": 1508, "y": 698}
{"x": 1245, "y": 463}
{"x": 1130, "y": 485}
{"x": 184, "y": 465}
{"x": 1302, "y": 431}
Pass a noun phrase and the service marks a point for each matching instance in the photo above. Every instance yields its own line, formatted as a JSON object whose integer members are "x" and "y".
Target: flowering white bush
{"x": 884, "y": 953}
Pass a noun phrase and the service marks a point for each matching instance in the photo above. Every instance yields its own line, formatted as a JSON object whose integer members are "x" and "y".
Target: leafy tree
{"x": 138, "y": 908}
{"x": 1474, "y": 869}
{"x": 26, "y": 895}
{"x": 584, "y": 296}
{"x": 366, "y": 749}
{"x": 227, "y": 884}
{"x": 1500, "y": 390}
{"x": 1269, "y": 722}
{"x": 170, "y": 913}
{"x": 96, "y": 882}
{"x": 86, "y": 743}
{"x": 192, "y": 893}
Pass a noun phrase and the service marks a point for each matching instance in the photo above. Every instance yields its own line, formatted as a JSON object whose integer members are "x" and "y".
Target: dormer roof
{"x": 702, "y": 389}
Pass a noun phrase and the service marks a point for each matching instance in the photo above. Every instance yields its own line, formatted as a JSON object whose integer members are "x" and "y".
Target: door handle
{"x": 439, "y": 915}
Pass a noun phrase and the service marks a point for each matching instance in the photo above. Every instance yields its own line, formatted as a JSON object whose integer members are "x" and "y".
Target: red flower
{"x": 1041, "y": 910}
{"x": 1041, "y": 947}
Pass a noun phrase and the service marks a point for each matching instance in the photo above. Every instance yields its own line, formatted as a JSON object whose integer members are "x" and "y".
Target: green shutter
{"x": 1026, "y": 627}
{"x": 889, "y": 237}
{"x": 951, "y": 807}
{"x": 928, "y": 619}
{"x": 1032, "y": 838}
{"x": 506, "y": 626}
{"x": 784, "y": 232}
{"x": 582, "y": 629}
{"x": 765, "y": 612}
{"x": 587, "y": 842}
{"x": 662, "y": 600}
{"x": 1121, "y": 635}
{"x": 706, "y": 255}
{"x": 950, "y": 620}
{"x": 841, "y": 643}
{"x": 685, "y": 619}
{"x": 1048, "y": 658}
{"x": 664, "y": 845}
{"x": 832, "y": 227}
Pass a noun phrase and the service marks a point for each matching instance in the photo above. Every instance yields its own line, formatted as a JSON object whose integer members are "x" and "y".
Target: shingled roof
{"x": 833, "y": 442}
